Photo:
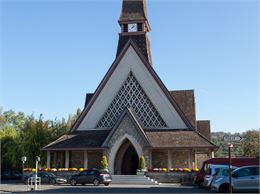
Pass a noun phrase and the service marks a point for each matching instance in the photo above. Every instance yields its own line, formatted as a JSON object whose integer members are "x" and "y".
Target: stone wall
{"x": 172, "y": 177}
{"x": 160, "y": 159}
{"x": 94, "y": 158}
{"x": 201, "y": 158}
{"x": 125, "y": 131}
{"x": 180, "y": 159}
{"x": 76, "y": 159}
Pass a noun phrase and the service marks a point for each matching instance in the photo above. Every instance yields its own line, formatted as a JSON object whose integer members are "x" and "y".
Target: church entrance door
{"x": 126, "y": 160}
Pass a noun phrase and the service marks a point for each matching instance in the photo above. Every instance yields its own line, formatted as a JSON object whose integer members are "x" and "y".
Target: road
{"x": 163, "y": 188}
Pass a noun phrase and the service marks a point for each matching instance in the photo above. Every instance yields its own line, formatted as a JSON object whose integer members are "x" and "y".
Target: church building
{"x": 132, "y": 113}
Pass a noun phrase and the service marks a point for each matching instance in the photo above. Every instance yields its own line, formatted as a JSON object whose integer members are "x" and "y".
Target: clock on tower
{"x": 135, "y": 26}
{"x": 132, "y": 27}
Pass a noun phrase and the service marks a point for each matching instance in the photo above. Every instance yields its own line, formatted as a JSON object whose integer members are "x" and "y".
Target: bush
{"x": 104, "y": 163}
{"x": 141, "y": 164}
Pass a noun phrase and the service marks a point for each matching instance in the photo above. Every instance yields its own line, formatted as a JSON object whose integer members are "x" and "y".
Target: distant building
{"x": 132, "y": 114}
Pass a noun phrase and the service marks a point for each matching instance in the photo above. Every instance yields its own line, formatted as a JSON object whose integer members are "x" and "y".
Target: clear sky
{"x": 55, "y": 51}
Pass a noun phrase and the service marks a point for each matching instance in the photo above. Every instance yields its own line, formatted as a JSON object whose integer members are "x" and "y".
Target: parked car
{"x": 215, "y": 171}
{"x": 244, "y": 179}
{"x": 10, "y": 175}
{"x": 47, "y": 177}
{"x": 239, "y": 162}
{"x": 93, "y": 176}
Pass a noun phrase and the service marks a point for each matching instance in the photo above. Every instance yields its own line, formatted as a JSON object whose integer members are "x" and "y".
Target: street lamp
{"x": 36, "y": 172}
{"x": 24, "y": 159}
{"x": 229, "y": 167}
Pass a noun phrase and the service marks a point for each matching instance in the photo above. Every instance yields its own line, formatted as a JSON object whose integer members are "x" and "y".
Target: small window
{"x": 84, "y": 173}
{"x": 225, "y": 172}
{"x": 91, "y": 172}
{"x": 125, "y": 28}
{"x": 244, "y": 172}
{"x": 140, "y": 27}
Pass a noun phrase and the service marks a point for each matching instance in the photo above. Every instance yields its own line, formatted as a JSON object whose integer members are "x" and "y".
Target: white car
{"x": 213, "y": 171}
{"x": 244, "y": 179}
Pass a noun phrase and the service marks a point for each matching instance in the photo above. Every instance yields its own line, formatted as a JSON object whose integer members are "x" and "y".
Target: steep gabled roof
{"x": 150, "y": 70}
{"x": 79, "y": 140}
{"x": 186, "y": 101}
{"x": 178, "y": 139}
{"x": 139, "y": 129}
{"x": 133, "y": 10}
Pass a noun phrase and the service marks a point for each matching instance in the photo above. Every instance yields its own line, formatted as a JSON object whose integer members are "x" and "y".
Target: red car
{"x": 238, "y": 162}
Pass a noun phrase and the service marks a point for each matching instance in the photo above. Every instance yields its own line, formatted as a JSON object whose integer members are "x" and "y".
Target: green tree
{"x": 141, "y": 164}
{"x": 9, "y": 148}
{"x": 104, "y": 163}
{"x": 250, "y": 144}
{"x": 35, "y": 135}
{"x": 22, "y": 135}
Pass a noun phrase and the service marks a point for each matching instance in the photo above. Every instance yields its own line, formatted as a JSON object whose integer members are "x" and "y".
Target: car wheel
{"x": 52, "y": 181}
{"x": 73, "y": 182}
{"x": 106, "y": 184}
{"x": 201, "y": 184}
{"x": 224, "y": 188}
{"x": 96, "y": 182}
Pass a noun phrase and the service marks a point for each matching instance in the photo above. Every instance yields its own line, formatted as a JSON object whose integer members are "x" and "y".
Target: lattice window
{"x": 132, "y": 95}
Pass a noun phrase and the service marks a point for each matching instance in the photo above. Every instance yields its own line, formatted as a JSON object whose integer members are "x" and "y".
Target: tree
{"x": 35, "y": 135}
{"x": 9, "y": 148}
{"x": 250, "y": 144}
{"x": 104, "y": 163}
{"x": 141, "y": 165}
{"x": 10, "y": 129}
{"x": 22, "y": 135}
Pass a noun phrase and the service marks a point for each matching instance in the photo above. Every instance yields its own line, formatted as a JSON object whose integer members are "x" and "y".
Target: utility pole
{"x": 229, "y": 139}
{"x": 230, "y": 167}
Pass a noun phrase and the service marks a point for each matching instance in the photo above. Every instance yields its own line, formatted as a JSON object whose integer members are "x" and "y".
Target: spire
{"x": 135, "y": 26}
{"x": 133, "y": 10}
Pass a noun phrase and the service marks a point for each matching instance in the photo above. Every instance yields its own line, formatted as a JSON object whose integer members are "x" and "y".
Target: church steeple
{"x": 134, "y": 25}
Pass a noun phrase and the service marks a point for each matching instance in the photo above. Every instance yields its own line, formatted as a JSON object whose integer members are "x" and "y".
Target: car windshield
{"x": 103, "y": 172}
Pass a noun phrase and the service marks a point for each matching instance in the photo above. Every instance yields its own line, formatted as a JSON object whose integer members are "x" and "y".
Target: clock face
{"x": 132, "y": 27}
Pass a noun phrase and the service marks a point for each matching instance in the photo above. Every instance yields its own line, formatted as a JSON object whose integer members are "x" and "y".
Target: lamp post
{"x": 230, "y": 139}
{"x": 24, "y": 159}
{"x": 229, "y": 167}
{"x": 36, "y": 172}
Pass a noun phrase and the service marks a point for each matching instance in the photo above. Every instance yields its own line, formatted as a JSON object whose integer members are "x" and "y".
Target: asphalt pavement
{"x": 117, "y": 188}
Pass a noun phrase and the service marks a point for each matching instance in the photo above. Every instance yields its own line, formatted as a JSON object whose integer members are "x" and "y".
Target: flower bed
{"x": 63, "y": 172}
{"x": 53, "y": 169}
{"x": 173, "y": 175}
{"x": 173, "y": 170}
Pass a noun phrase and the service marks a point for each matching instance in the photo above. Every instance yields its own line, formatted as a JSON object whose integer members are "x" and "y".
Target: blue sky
{"x": 54, "y": 52}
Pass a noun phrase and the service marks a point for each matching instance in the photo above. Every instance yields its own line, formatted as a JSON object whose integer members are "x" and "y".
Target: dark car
{"x": 47, "y": 177}
{"x": 10, "y": 175}
{"x": 93, "y": 176}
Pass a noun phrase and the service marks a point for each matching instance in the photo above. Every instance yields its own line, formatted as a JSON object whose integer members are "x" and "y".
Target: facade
{"x": 132, "y": 114}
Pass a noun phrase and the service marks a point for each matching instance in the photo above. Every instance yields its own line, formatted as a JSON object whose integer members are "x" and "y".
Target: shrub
{"x": 141, "y": 164}
{"x": 81, "y": 169}
{"x": 73, "y": 169}
{"x": 164, "y": 169}
{"x": 195, "y": 169}
{"x": 186, "y": 170}
{"x": 104, "y": 163}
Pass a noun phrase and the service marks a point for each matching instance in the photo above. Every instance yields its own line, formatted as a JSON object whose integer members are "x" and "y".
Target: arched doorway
{"x": 126, "y": 161}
